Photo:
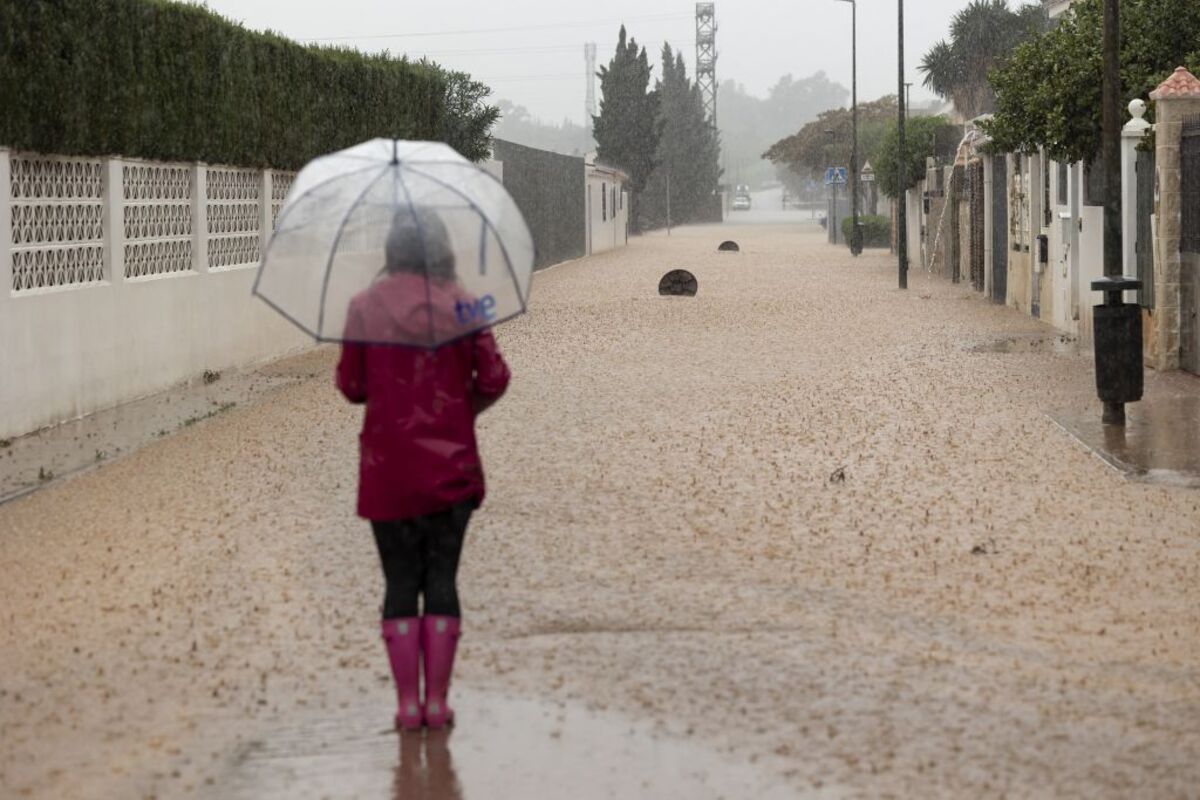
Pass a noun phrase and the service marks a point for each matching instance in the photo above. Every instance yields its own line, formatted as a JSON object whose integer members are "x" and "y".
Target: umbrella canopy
{"x": 397, "y": 242}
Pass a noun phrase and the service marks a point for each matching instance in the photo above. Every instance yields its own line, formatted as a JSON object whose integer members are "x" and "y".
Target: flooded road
{"x": 798, "y": 535}
{"x": 503, "y": 747}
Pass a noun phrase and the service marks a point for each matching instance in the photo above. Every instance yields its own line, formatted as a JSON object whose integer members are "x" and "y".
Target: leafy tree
{"x": 981, "y": 35}
{"x": 626, "y": 128}
{"x": 813, "y": 147}
{"x": 689, "y": 150}
{"x": 466, "y": 126}
{"x": 923, "y": 137}
{"x": 1049, "y": 93}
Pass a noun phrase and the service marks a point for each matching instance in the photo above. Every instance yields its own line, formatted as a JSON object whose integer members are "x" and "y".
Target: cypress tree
{"x": 626, "y": 129}
{"x": 688, "y": 150}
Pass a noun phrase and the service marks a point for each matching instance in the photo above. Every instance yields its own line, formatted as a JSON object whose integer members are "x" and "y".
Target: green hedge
{"x": 877, "y": 231}
{"x": 164, "y": 80}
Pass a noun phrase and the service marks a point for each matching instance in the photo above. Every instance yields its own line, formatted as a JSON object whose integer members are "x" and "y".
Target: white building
{"x": 607, "y": 207}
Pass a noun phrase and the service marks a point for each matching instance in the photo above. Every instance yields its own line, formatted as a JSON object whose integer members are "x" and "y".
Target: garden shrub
{"x": 168, "y": 81}
{"x": 877, "y": 231}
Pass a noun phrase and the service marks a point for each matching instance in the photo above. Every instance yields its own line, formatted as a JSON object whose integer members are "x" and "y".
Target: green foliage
{"x": 466, "y": 121}
{"x": 812, "y": 149}
{"x": 1049, "y": 93}
{"x": 689, "y": 151}
{"x": 923, "y": 137}
{"x": 877, "y": 231}
{"x": 982, "y": 35}
{"x": 626, "y": 129}
{"x": 173, "y": 81}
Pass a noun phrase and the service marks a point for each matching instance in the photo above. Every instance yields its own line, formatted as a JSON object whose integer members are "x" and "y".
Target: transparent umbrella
{"x": 397, "y": 242}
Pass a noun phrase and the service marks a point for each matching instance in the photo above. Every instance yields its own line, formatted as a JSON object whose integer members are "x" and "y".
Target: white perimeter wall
{"x": 121, "y": 278}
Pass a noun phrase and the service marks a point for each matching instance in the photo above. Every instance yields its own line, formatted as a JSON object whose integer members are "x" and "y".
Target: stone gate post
{"x": 1177, "y": 99}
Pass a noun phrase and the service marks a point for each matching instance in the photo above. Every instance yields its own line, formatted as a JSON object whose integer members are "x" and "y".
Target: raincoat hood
{"x": 405, "y": 306}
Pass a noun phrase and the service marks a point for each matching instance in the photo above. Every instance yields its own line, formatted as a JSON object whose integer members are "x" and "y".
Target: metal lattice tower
{"x": 589, "y": 56}
{"x": 706, "y": 58}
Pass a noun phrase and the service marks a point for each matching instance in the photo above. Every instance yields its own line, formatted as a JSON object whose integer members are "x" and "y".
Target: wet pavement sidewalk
{"x": 33, "y": 462}
{"x": 1160, "y": 442}
{"x": 799, "y": 535}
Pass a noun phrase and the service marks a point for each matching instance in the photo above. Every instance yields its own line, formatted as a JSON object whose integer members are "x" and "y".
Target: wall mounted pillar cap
{"x": 1136, "y": 126}
{"x": 1182, "y": 85}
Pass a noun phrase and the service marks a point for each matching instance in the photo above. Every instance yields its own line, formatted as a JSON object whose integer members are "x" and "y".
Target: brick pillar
{"x": 1178, "y": 99}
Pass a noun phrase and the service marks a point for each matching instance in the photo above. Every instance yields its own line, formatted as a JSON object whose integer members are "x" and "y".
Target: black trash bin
{"x": 1117, "y": 330}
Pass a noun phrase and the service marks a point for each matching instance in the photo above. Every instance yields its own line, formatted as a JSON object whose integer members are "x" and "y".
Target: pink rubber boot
{"x": 403, "y": 640}
{"x": 439, "y": 639}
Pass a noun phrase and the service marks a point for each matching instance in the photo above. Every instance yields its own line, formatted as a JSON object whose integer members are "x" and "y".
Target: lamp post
{"x": 855, "y": 230}
{"x": 902, "y": 163}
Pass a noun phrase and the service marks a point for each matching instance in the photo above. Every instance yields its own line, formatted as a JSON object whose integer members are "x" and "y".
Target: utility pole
{"x": 902, "y": 164}
{"x": 1110, "y": 140}
{"x": 1117, "y": 326}
{"x": 855, "y": 230}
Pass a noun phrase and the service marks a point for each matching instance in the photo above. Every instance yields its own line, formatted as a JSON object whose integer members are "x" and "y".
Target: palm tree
{"x": 981, "y": 35}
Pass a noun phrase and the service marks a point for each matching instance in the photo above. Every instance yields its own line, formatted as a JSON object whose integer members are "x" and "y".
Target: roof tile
{"x": 1181, "y": 85}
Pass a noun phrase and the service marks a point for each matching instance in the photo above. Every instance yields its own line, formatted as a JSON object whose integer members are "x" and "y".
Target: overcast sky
{"x": 531, "y": 51}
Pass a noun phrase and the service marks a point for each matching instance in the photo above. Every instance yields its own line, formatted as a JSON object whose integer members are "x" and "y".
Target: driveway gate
{"x": 976, "y": 200}
{"x": 1145, "y": 237}
{"x": 1189, "y": 278}
{"x": 999, "y": 201}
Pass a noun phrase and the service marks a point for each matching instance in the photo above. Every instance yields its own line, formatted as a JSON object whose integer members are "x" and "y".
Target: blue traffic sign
{"x": 835, "y": 175}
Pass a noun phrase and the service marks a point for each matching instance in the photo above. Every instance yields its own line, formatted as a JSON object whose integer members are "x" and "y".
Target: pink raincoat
{"x": 417, "y": 448}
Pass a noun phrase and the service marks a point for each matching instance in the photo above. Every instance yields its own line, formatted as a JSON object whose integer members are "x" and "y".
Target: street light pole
{"x": 855, "y": 230}
{"x": 902, "y": 163}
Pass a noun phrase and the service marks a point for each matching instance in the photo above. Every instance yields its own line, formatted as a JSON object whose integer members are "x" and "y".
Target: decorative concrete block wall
{"x": 120, "y": 278}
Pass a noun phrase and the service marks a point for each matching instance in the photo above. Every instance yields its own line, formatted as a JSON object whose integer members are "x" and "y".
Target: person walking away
{"x": 420, "y": 474}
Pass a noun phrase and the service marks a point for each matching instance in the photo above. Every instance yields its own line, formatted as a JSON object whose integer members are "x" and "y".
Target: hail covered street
{"x": 800, "y": 535}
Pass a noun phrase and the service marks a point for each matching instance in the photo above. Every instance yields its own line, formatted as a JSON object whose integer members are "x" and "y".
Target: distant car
{"x": 741, "y": 203}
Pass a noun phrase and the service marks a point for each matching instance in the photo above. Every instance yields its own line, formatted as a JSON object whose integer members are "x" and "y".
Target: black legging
{"x": 420, "y": 557}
